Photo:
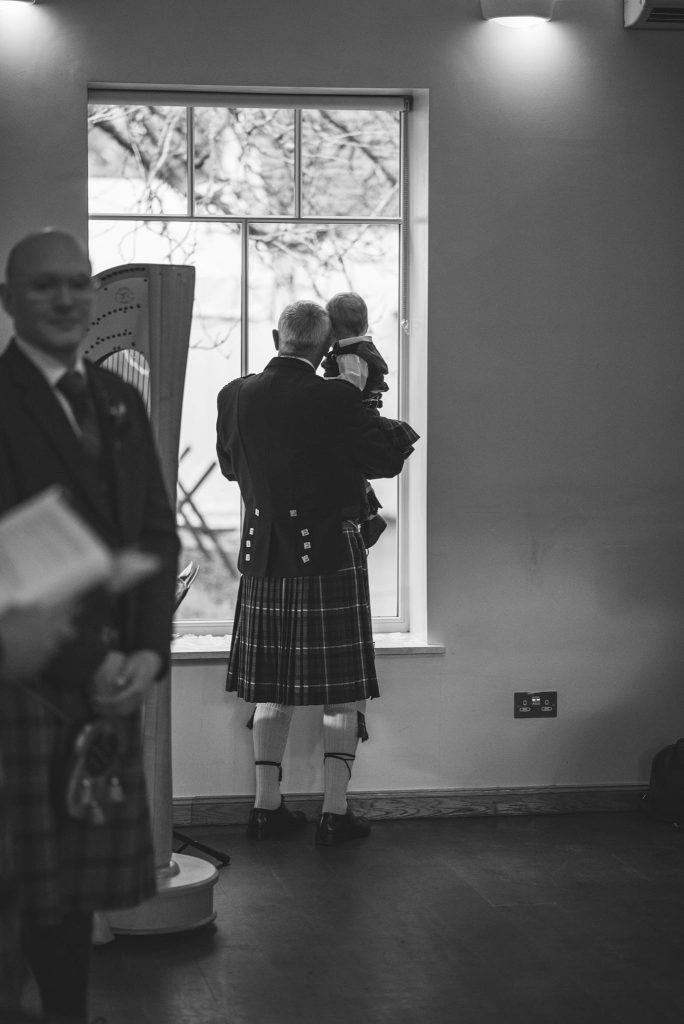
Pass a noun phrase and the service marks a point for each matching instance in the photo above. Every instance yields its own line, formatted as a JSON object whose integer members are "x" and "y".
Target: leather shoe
{"x": 265, "y": 824}
{"x": 338, "y": 828}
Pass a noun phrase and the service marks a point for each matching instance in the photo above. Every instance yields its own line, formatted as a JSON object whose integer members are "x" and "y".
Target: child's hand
{"x": 329, "y": 364}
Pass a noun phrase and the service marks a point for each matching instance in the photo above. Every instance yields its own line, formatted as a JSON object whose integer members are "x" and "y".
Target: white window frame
{"x": 411, "y": 497}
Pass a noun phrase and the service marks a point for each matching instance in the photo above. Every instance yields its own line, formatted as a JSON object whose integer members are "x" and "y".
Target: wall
{"x": 555, "y": 441}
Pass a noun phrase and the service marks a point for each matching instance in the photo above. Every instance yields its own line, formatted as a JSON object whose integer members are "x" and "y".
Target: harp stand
{"x": 211, "y": 851}
{"x": 185, "y": 579}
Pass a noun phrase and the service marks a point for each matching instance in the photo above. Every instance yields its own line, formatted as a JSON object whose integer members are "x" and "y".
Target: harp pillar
{"x": 141, "y": 329}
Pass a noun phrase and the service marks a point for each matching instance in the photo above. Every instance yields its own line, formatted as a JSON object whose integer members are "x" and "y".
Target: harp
{"x": 141, "y": 330}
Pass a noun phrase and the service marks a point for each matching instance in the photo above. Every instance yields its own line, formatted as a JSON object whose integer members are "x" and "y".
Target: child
{"x": 349, "y": 318}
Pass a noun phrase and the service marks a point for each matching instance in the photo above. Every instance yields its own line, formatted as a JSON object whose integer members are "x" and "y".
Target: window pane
{"x": 208, "y": 505}
{"x": 350, "y": 163}
{"x": 289, "y": 262}
{"x": 244, "y": 162}
{"x": 383, "y": 557}
{"x": 137, "y": 160}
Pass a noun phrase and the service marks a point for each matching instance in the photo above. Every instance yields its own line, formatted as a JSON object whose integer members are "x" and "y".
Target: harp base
{"x": 185, "y": 901}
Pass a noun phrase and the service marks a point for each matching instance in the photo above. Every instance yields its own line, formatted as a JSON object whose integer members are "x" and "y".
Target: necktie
{"x": 75, "y": 389}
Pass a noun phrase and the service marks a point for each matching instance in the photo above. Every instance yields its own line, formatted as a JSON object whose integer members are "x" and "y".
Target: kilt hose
{"x": 67, "y": 865}
{"x": 306, "y": 639}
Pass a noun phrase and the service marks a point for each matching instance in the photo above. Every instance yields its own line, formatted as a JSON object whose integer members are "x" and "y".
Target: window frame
{"x": 307, "y": 99}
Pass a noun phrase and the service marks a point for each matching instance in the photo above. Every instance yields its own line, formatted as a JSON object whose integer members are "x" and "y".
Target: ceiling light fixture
{"x": 517, "y": 13}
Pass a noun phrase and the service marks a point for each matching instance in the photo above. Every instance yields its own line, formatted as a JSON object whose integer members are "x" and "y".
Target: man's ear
{"x": 276, "y": 338}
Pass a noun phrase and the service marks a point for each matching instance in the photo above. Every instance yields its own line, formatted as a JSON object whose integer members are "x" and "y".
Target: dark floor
{"x": 574, "y": 919}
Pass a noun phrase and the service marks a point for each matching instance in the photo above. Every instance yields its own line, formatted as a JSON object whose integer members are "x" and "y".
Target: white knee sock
{"x": 269, "y": 734}
{"x": 340, "y": 737}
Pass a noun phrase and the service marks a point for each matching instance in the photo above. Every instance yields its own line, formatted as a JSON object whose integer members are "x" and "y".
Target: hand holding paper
{"x": 49, "y": 555}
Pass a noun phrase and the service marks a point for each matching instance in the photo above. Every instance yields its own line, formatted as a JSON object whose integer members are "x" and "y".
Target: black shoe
{"x": 265, "y": 824}
{"x": 338, "y": 828}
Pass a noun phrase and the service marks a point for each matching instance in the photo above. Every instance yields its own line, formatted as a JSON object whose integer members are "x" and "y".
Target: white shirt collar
{"x": 52, "y": 369}
{"x": 300, "y": 358}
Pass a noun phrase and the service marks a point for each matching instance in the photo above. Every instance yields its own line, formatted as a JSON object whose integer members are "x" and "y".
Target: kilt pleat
{"x": 306, "y": 639}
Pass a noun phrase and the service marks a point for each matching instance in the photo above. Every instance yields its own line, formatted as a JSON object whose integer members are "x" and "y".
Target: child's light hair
{"x": 348, "y": 315}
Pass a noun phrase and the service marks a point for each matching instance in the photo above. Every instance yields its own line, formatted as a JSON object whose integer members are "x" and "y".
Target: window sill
{"x": 215, "y": 648}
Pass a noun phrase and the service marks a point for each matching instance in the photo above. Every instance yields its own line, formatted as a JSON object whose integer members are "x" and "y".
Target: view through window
{"x": 270, "y": 201}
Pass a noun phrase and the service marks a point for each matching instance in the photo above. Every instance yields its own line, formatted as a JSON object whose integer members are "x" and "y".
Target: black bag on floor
{"x": 664, "y": 798}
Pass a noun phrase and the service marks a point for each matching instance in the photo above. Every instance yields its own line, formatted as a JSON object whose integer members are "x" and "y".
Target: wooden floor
{"x": 573, "y": 919}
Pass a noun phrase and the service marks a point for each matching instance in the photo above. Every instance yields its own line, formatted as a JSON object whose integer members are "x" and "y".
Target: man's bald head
{"x": 48, "y": 292}
{"x": 37, "y": 246}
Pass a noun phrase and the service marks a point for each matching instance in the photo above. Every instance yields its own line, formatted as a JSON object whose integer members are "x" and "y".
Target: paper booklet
{"x": 48, "y": 555}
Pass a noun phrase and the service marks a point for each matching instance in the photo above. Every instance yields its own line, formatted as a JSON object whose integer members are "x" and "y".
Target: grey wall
{"x": 555, "y": 442}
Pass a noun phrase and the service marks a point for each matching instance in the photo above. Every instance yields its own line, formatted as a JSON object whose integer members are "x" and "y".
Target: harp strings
{"x": 134, "y": 369}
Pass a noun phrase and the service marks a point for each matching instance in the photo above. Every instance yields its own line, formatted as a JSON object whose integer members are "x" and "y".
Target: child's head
{"x": 348, "y": 315}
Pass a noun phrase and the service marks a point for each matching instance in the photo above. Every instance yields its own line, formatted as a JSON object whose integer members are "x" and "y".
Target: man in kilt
{"x": 300, "y": 448}
{"x": 67, "y": 423}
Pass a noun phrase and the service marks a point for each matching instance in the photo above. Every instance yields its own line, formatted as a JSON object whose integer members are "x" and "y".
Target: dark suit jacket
{"x": 38, "y": 449}
{"x": 61, "y": 863}
{"x": 299, "y": 447}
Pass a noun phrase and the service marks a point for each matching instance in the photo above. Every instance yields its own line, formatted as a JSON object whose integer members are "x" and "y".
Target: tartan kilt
{"x": 61, "y": 864}
{"x": 306, "y": 639}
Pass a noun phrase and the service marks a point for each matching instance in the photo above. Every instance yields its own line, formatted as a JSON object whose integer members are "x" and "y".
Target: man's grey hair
{"x": 303, "y": 330}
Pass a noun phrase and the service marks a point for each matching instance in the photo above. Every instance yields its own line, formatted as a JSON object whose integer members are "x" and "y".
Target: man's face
{"x": 49, "y": 295}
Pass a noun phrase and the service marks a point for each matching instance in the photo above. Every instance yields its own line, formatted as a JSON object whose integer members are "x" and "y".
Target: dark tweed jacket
{"x": 67, "y": 864}
{"x": 299, "y": 446}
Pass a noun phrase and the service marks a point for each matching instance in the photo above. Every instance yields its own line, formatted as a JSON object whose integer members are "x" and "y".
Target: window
{"x": 272, "y": 199}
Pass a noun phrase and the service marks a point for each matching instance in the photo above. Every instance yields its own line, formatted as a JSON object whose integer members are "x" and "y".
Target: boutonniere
{"x": 117, "y": 414}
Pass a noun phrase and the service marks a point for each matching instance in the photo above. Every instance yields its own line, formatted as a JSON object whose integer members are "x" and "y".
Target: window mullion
{"x": 403, "y": 239}
{"x": 298, "y": 163}
{"x": 401, "y": 567}
{"x": 244, "y": 300}
{"x": 190, "y": 132}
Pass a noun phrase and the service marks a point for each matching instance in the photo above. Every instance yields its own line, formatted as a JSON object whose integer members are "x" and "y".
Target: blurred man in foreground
{"x": 66, "y": 422}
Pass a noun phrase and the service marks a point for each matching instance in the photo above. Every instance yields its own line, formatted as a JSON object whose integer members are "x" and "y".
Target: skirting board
{"x": 453, "y": 803}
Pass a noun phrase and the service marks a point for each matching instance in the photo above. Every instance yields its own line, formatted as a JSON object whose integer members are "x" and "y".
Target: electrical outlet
{"x": 543, "y": 704}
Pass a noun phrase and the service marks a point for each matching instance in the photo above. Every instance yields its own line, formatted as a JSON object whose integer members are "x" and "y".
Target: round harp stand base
{"x": 184, "y": 901}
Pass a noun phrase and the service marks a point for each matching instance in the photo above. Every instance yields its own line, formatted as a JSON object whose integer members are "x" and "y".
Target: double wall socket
{"x": 543, "y": 704}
